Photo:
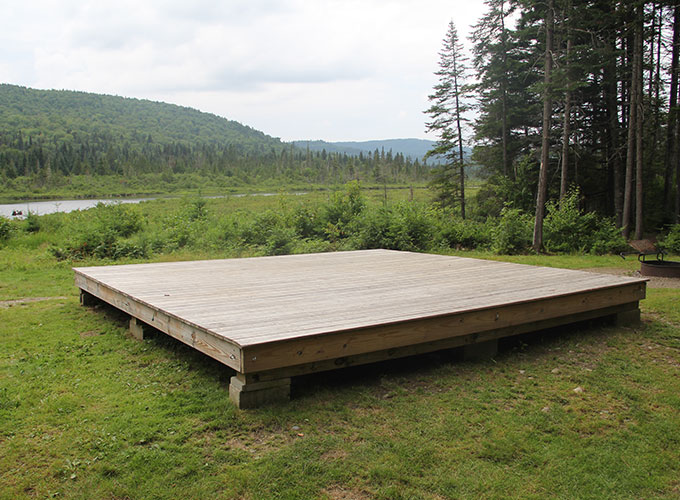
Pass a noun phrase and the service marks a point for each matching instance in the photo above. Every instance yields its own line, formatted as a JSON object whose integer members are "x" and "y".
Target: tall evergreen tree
{"x": 446, "y": 117}
{"x": 492, "y": 51}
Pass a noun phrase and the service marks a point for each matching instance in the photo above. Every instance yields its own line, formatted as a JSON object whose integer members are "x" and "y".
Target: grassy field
{"x": 88, "y": 412}
{"x": 85, "y": 187}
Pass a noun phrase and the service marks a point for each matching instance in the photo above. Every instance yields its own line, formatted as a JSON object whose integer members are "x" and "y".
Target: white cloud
{"x": 332, "y": 69}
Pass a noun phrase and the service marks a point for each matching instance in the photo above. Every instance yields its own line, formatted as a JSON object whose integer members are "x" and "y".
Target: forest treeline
{"x": 589, "y": 88}
{"x": 46, "y": 135}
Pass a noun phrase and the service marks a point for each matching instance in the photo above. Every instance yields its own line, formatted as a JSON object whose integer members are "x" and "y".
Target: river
{"x": 52, "y": 206}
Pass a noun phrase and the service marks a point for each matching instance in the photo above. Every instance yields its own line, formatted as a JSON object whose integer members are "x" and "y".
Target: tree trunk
{"x": 657, "y": 86}
{"x": 671, "y": 137}
{"x": 504, "y": 94}
{"x": 545, "y": 141}
{"x": 630, "y": 151}
{"x": 611, "y": 101}
{"x": 461, "y": 159}
{"x": 639, "y": 159}
{"x": 676, "y": 161}
{"x": 565, "y": 128}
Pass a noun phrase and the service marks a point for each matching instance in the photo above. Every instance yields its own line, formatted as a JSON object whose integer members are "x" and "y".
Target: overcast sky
{"x": 295, "y": 69}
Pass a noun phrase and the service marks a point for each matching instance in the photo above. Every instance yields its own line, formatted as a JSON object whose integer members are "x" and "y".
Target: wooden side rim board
{"x": 276, "y": 317}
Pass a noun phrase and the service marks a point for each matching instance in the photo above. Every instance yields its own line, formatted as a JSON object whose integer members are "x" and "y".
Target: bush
{"x": 607, "y": 238}
{"x": 341, "y": 209}
{"x": 259, "y": 231}
{"x": 500, "y": 191}
{"x": 463, "y": 234}
{"x": 569, "y": 230}
{"x": 280, "y": 241}
{"x": 307, "y": 222}
{"x": 32, "y": 223}
{"x": 98, "y": 233}
{"x": 100, "y": 245}
{"x": 122, "y": 220}
{"x": 671, "y": 242}
{"x": 5, "y": 228}
{"x": 406, "y": 226}
{"x": 512, "y": 233}
{"x": 197, "y": 210}
{"x": 566, "y": 228}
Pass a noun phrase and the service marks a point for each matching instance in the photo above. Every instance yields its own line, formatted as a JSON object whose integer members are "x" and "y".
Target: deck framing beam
{"x": 490, "y": 336}
{"x": 268, "y": 356}
{"x": 218, "y": 348}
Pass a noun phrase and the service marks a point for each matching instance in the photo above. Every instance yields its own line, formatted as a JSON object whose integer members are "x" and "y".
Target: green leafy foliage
{"x": 32, "y": 223}
{"x": 568, "y": 229}
{"x": 345, "y": 219}
{"x": 513, "y": 232}
{"x": 405, "y": 226}
{"x": 102, "y": 232}
{"x": 5, "y": 228}
{"x": 464, "y": 234}
{"x": 671, "y": 242}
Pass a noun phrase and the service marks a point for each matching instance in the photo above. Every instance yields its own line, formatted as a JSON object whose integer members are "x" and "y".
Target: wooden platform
{"x": 270, "y": 318}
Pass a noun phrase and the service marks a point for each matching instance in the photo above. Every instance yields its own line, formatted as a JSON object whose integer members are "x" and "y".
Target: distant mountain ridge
{"x": 412, "y": 148}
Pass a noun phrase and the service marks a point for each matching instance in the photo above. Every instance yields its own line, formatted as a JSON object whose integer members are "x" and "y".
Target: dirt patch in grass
{"x": 89, "y": 333}
{"x": 334, "y": 455}
{"x": 4, "y": 304}
{"x": 259, "y": 442}
{"x": 338, "y": 493}
{"x": 654, "y": 282}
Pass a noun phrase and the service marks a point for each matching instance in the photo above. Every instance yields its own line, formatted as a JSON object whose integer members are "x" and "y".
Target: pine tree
{"x": 492, "y": 48}
{"x": 446, "y": 112}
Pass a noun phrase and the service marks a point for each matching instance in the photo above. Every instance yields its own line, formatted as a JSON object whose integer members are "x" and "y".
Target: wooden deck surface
{"x": 248, "y": 303}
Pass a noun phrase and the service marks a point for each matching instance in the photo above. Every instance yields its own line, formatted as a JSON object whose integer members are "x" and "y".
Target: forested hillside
{"x": 48, "y": 136}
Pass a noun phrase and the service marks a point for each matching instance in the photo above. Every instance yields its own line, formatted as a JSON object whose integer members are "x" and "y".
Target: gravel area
{"x": 653, "y": 282}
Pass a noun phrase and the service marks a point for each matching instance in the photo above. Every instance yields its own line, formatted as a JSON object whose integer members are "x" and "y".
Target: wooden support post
{"x": 480, "y": 350}
{"x": 628, "y": 318}
{"x": 246, "y": 393}
{"x": 139, "y": 329}
{"x": 87, "y": 299}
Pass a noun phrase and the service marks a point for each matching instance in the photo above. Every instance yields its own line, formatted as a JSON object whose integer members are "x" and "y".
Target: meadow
{"x": 88, "y": 412}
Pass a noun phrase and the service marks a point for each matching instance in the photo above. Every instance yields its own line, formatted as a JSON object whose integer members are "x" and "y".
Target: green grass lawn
{"x": 88, "y": 412}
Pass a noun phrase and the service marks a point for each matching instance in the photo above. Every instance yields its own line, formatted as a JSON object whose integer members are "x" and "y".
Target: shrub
{"x": 261, "y": 228}
{"x": 463, "y": 234}
{"x": 307, "y": 222}
{"x": 405, "y": 226}
{"x": 607, "y": 238}
{"x": 671, "y": 242}
{"x": 342, "y": 208}
{"x": 280, "y": 241}
{"x": 5, "y": 228}
{"x": 98, "y": 233}
{"x": 566, "y": 228}
{"x": 197, "y": 210}
{"x": 569, "y": 230}
{"x": 512, "y": 233}
{"x": 372, "y": 229}
{"x": 32, "y": 223}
